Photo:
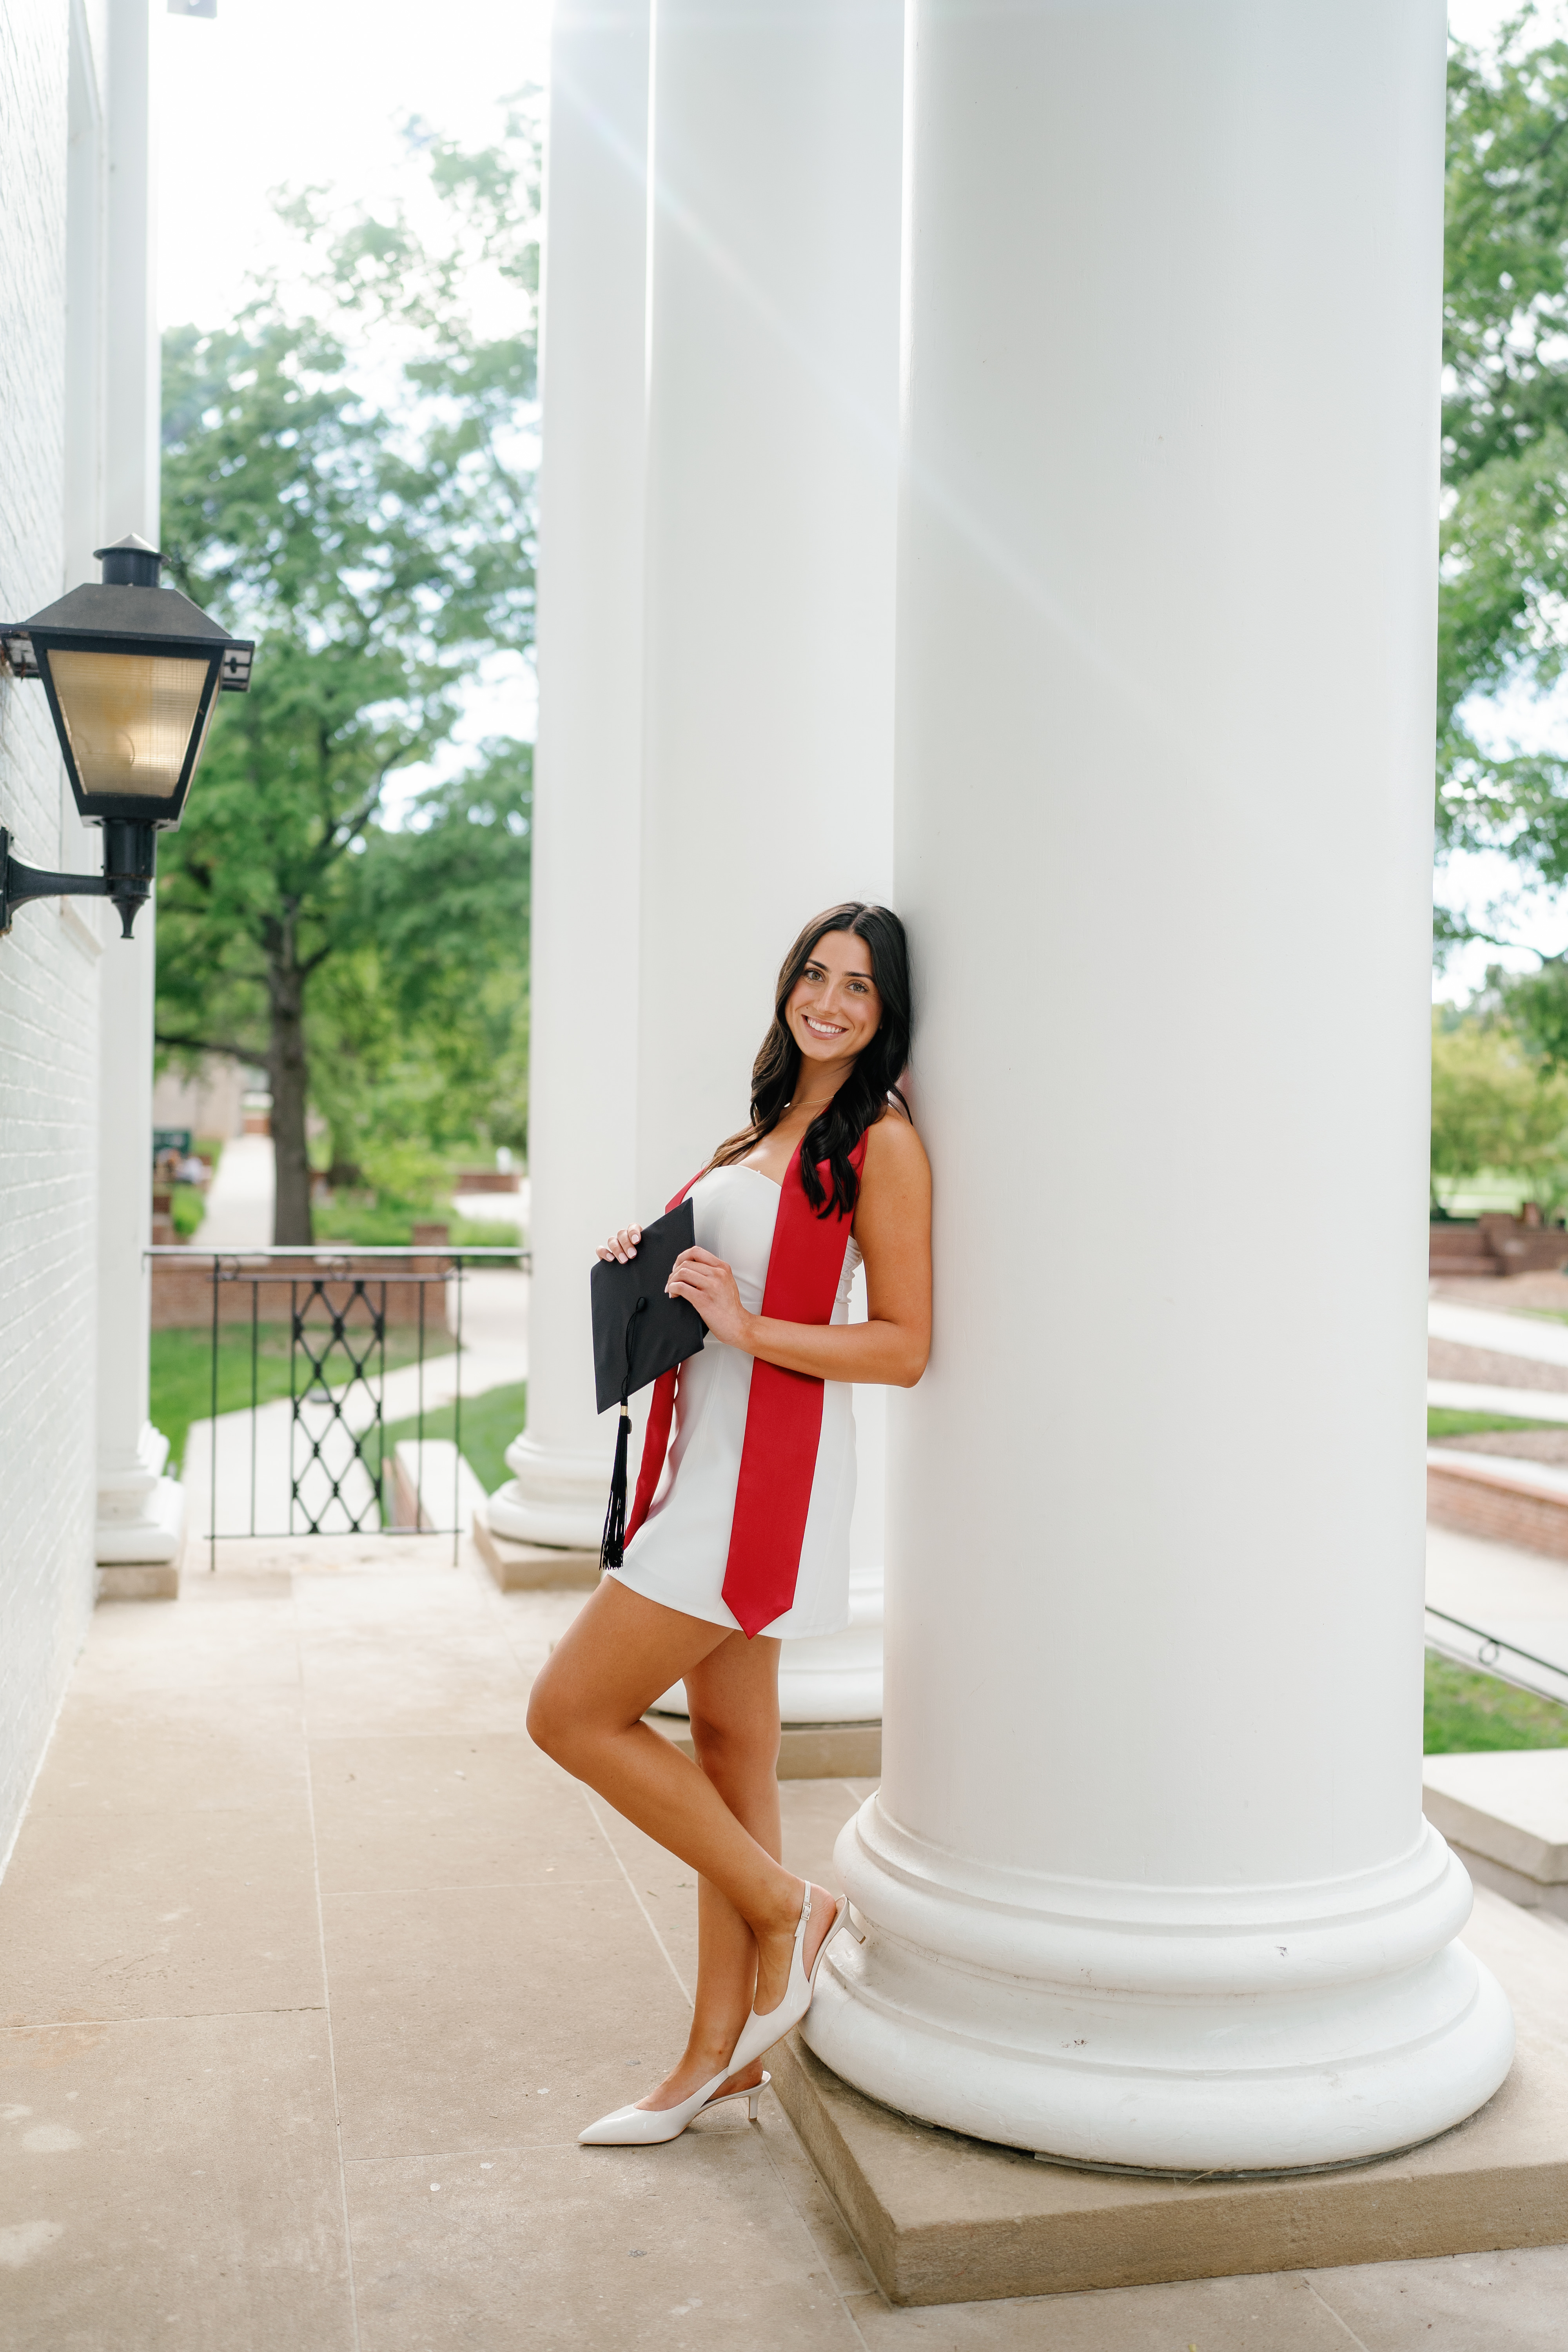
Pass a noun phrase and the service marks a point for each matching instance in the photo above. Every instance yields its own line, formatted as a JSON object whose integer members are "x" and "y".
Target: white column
{"x": 772, "y": 501}
{"x": 1147, "y": 1880}
{"x": 772, "y": 390}
{"x": 582, "y": 1078}
{"x": 139, "y": 1511}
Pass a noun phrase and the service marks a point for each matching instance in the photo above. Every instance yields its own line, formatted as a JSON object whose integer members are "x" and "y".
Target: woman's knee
{"x": 551, "y": 1725}
{"x": 729, "y": 1747}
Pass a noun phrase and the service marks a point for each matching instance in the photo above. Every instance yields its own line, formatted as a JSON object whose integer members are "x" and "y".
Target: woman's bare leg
{"x": 733, "y": 1697}
{"x": 586, "y": 1710}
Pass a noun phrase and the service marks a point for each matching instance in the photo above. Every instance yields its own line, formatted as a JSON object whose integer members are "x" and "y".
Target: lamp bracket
{"x": 127, "y": 877}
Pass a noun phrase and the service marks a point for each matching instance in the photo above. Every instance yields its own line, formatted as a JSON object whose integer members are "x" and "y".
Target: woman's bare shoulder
{"x": 893, "y": 1146}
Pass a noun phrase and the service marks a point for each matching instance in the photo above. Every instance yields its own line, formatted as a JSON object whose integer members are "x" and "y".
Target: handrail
{"x": 1488, "y": 1658}
{"x": 330, "y": 1251}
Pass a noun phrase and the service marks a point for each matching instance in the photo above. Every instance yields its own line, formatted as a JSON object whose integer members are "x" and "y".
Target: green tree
{"x": 421, "y": 1020}
{"x": 377, "y": 552}
{"x": 1504, "y": 578}
{"x": 1496, "y": 1111}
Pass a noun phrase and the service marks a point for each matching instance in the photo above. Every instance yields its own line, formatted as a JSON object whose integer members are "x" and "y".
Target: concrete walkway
{"x": 1522, "y": 1403}
{"x": 1538, "y": 1340}
{"x": 240, "y": 1198}
{"x": 312, "y": 1966}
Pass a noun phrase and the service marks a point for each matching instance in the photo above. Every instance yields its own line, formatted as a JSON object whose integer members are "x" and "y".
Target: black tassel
{"x": 612, "y": 1549}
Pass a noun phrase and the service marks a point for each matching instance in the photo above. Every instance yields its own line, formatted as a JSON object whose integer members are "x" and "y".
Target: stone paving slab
{"x": 172, "y": 2182}
{"x": 248, "y": 2160}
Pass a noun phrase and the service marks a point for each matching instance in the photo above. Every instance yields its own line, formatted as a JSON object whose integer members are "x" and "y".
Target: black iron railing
{"x": 1544, "y": 1677}
{"x": 325, "y": 1330}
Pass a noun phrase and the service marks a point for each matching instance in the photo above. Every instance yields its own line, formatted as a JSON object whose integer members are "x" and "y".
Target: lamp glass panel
{"x": 130, "y": 717}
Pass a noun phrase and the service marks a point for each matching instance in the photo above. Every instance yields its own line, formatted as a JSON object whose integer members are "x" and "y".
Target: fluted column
{"x": 1147, "y": 1880}
{"x": 583, "y": 1075}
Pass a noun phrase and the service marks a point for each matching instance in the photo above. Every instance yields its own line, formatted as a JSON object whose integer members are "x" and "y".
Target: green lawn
{"x": 1466, "y": 1711}
{"x": 490, "y": 1422}
{"x": 389, "y": 1224}
{"x": 1440, "y": 1422}
{"x": 181, "y": 1369}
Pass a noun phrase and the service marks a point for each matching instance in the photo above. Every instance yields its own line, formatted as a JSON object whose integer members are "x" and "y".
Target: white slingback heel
{"x": 760, "y": 2033}
{"x": 649, "y": 2127}
{"x": 753, "y": 2097}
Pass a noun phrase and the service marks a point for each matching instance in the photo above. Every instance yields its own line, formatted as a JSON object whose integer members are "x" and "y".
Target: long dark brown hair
{"x": 873, "y": 1076}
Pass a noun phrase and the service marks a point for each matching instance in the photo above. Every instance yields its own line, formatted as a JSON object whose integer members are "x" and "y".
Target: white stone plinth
{"x": 140, "y": 1514}
{"x": 838, "y": 1679}
{"x": 554, "y": 1496}
{"x": 1146, "y": 1881}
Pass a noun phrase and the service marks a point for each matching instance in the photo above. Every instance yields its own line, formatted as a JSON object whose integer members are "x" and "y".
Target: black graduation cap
{"x": 638, "y": 1333}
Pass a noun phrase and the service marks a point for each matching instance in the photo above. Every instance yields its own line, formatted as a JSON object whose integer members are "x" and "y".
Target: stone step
{"x": 1506, "y": 1815}
{"x": 532, "y": 1568}
{"x": 807, "y": 1751}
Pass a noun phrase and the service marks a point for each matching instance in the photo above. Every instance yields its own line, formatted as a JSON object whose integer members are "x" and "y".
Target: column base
{"x": 552, "y": 1497}
{"x": 141, "y": 1514}
{"x": 532, "y": 1568}
{"x": 1163, "y": 2029}
{"x": 140, "y": 1581}
{"x": 840, "y": 1678}
{"x": 944, "y": 2219}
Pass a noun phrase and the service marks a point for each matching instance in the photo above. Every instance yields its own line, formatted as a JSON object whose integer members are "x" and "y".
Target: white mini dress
{"x": 679, "y": 1554}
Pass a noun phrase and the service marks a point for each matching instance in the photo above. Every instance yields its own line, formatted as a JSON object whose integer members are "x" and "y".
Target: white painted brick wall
{"x": 49, "y": 978}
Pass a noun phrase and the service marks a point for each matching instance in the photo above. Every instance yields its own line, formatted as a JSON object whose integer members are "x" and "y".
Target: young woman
{"x": 746, "y": 1540}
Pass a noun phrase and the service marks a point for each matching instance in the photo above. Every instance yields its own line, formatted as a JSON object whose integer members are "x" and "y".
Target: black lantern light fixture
{"x": 132, "y": 672}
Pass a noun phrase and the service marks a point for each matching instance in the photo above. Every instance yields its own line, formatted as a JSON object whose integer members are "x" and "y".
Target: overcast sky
{"x": 274, "y": 93}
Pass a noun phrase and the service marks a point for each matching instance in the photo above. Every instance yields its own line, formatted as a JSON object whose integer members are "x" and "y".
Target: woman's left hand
{"x": 710, "y": 1285}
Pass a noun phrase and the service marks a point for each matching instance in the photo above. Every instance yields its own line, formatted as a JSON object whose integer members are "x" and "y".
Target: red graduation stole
{"x": 784, "y": 1414}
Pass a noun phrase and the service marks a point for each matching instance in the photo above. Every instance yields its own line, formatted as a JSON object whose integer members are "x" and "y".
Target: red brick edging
{"x": 1487, "y": 1502}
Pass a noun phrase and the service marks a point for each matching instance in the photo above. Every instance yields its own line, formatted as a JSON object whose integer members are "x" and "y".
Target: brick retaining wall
{"x": 1487, "y": 1502}
{"x": 182, "y": 1294}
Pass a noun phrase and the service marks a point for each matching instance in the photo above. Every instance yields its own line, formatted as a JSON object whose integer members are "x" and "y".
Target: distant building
{"x": 209, "y": 1100}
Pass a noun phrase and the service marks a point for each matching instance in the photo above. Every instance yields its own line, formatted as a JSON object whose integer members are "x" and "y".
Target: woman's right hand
{"x": 622, "y": 1247}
